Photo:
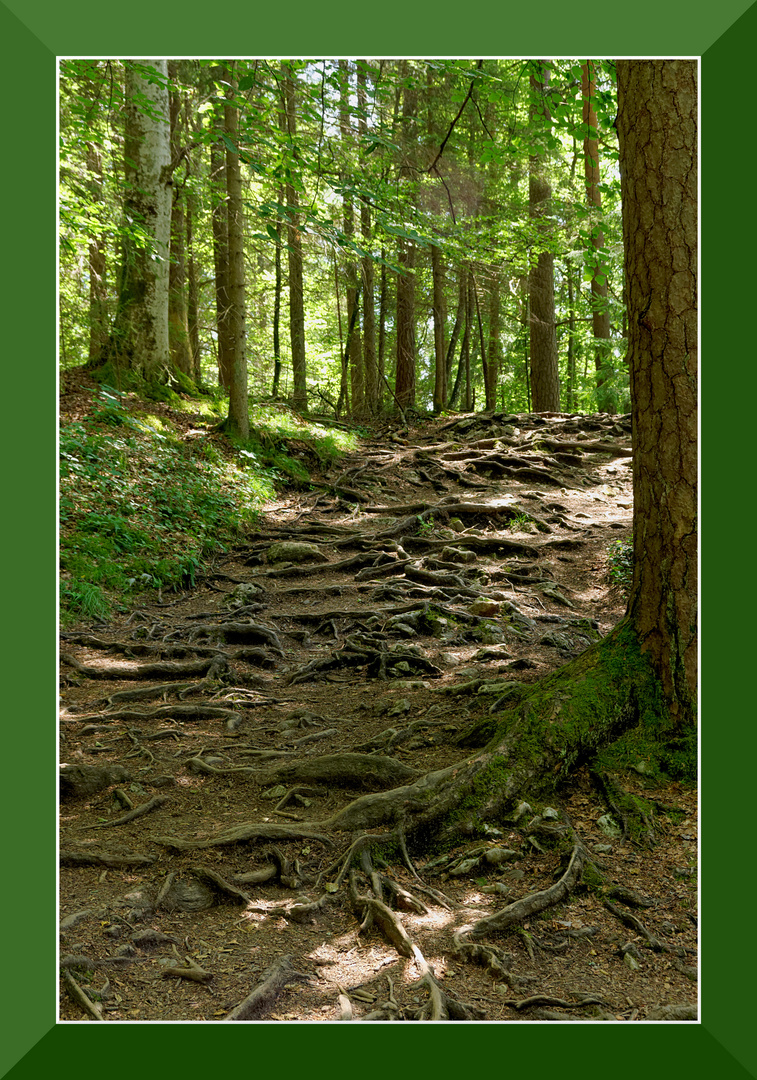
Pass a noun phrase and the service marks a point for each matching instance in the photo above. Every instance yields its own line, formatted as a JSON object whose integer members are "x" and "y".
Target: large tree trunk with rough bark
{"x": 657, "y": 132}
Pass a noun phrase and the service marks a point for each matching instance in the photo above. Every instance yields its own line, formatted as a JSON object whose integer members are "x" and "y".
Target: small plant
{"x": 620, "y": 561}
{"x": 518, "y": 522}
{"x": 425, "y": 528}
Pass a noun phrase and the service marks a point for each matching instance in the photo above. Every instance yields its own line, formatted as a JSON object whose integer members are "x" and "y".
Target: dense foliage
{"x": 391, "y": 164}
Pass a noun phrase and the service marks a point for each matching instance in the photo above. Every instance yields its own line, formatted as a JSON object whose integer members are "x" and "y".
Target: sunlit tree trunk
{"x": 492, "y": 357}
{"x": 238, "y": 419}
{"x": 296, "y": 293}
{"x": 600, "y": 313}
{"x": 657, "y": 133}
{"x": 140, "y": 336}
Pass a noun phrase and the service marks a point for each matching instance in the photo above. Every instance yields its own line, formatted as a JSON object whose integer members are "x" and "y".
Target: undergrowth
{"x": 142, "y": 508}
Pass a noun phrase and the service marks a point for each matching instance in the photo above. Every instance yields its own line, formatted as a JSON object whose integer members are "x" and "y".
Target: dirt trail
{"x": 348, "y": 647}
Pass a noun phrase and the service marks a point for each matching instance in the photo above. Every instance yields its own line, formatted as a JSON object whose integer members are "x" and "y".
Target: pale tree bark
{"x": 600, "y": 314}
{"x": 657, "y": 133}
{"x": 296, "y": 294}
{"x": 139, "y": 340}
{"x": 492, "y": 358}
{"x": 545, "y": 377}
{"x": 406, "y": 253}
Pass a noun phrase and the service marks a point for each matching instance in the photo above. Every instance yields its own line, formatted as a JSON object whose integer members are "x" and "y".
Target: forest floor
{"x": 431, "y": 571}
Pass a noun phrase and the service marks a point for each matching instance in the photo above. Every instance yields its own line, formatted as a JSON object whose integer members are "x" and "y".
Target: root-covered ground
{"x": 211, "y": 741}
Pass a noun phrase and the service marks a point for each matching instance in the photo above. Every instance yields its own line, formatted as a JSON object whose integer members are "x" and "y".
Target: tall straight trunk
{"x": 97, "y": 264}
{"x": 193, "y": 311}
{"x": 657, "y": 135}
{"x": 405, "y": 372}
{"x": 492, "y": 358}
{"x": 277, "y": 314}
{"x": 220, "y": 226}
{"x": 467, "y": 339}
{"x": 139, "y": 339}
{"x": 454, "y": 338}
{"x": 439, "y": 313}
{"x": 570, "y": 390}
{"x": 600, "y": 315}
{"x": 370, "y": 359}
{"x": 545, "y": 377}
{"x": 296, "y": 293}
{"x": 238, "y": 420}
{"x": 178, "y": 318}
{"x": 354, "y": 343}
{"x": 383, "y": 309}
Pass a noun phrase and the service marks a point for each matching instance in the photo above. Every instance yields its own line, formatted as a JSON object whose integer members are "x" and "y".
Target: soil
{"x": 154, "y": 928}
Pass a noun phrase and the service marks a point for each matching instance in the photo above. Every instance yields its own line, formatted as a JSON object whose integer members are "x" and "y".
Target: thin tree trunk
{"x": 545, "y": 378}
{"x": 354, "y": 344}
{"x": 493, "y": 359}
{"x": 98, "y": 293}
{"x": 600, "y": 314}
{"x": 296, "y": 293}
{"x": 178, "y": 319}
{"x": 439, "y": 309}
{"x": 370, "y": 360}
{"x": 239, "y": 421}
{"x": 220, "y": 226}
{"x": 405, "y": 371}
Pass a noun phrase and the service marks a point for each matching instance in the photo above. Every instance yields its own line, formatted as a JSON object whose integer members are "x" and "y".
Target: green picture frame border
{"x": 33, "y": 33}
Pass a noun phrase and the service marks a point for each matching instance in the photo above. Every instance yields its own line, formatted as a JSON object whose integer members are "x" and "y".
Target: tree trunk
{"x": 405, "y": 372}
{"x": 370, "y": 360}
{"x": 238, "y": 419}
{"x": 354, "y": 343}
{"x": 600, "y": 314}
{"x": 98, "y": 293}
{"x": 440, "y": 356}
{"x": 178, "y": 318}
{"x": 220, "y": 225}
{"x": 657, "y": 132}
{"x": 296, "y": 295}
{"x": 545, "y": 377}
{"x": 140, "y": 335}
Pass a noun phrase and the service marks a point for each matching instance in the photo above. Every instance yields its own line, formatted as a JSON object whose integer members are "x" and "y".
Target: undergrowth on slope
{"x": 142, "y": 507}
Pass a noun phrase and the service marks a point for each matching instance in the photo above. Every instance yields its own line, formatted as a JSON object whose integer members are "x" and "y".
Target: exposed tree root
{"x": 274, "y": 981}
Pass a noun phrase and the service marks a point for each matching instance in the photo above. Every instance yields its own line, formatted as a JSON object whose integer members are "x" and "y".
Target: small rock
{"x": 277, "y": 792}
{"x": 495, "y": 856}
{"x": 602, "y": 849}
{"x": 457, "y": 525}
{"x": 485, "y": 608}
{"x": 521, "y": 810}
{"x": 463, "y": 868}
{"x": 550, "y": 814}
{"x": 631, "y": 962}
{"x": 289, "y": 551}
{"x": 609, "y": 826}
{"x": 497, "y": 888}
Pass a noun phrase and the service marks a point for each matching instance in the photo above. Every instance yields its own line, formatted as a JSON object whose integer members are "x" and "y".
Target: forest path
{"x": 348, "y": 646}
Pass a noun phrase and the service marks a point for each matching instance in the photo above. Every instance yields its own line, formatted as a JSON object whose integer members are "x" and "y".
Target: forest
{"x": 378, "y": 539}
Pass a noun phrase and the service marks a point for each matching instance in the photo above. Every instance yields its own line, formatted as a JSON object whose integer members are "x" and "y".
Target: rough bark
{"x": 370, "y": 359}
{"x": 220, "y": 224}
{"x": 657, "y": 132}
{"x": 178, "y": 318}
